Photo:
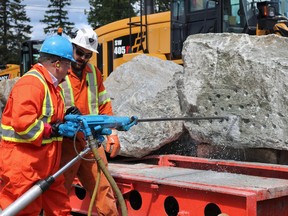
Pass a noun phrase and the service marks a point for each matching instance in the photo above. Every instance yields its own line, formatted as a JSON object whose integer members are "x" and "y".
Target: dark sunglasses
{"x": 81, "y": 53}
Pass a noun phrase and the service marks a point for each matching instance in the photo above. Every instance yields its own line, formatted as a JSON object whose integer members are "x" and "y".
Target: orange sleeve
{"x": 24, "y": 105}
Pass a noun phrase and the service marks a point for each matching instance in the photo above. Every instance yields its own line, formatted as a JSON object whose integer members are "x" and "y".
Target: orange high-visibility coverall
{"x": 86, "y": 171}
{"x": 25, "y": 160}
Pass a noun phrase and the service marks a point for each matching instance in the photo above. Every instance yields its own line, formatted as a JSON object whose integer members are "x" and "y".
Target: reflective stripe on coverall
{"x": 90, "y": 97}
{"x": 25, "y": 157}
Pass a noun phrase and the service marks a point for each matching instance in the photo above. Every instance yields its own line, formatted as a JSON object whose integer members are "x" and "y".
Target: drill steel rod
{"x": 182, "y": 119}
{"x": 38, "y": 188}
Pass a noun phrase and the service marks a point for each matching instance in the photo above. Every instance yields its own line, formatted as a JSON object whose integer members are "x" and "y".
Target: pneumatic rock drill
{"x": 94, "y": 128}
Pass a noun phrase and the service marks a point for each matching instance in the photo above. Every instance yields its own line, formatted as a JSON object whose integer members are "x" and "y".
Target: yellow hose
{"x": 93, "y": 198}
{"x": 112, "y": 182}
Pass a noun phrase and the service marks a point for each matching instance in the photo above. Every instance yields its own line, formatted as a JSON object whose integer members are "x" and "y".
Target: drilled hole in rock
{"x": 246, "y": 120}
{"x": 280, "y": 114}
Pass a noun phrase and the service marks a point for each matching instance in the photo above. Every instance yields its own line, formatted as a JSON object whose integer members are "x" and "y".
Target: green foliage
{"x": 56, "y": 17}
{"x": 14, "y": 30}
{"x": 103, "y": 12}
{"x": 162, "y": 5}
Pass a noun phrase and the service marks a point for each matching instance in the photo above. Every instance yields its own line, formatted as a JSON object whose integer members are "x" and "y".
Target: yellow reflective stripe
{"x": 47, "y": 100}
{"x": 91, "y": 78}
{"x": 70, "y": 91}
{"x": 62, "y": 95}
{"x": 67, "y": 93}
{"x": 8, "y": 133}
{"x": 30, "y": 128}
{"x": 52, "y": 139}
{"x": 103, "y": 97}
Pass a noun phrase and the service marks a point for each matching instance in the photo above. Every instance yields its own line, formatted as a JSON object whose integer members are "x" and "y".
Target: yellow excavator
{"x": 9, "y": 71}
{"x": 162, "y": 34}
{"x": 269, "y": 20}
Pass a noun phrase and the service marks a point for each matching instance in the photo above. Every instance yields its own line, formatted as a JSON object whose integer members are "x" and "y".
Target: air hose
{"x": 101, "y": 165}
{"x": 93, "y": 198}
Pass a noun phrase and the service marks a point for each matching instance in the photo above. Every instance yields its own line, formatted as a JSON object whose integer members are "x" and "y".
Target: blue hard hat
{"x": 59, "y": 46}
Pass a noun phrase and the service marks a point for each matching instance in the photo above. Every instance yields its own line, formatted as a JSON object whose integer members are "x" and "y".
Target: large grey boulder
{"x": 146, "y": 87}
{"x": 241, "y": 76}
{"x": 5, "y": 88}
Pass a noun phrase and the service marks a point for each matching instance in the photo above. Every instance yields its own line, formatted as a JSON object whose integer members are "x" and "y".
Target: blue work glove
{"x": 68, "y": 129}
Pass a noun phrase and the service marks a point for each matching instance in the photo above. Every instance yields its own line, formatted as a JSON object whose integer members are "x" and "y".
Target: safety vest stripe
{"x": 35, "y": 129}
{"x": 103, "y": 97}
{"x": 47, "y": 108}
{"x": 92, "y": 93}
{"x": 93, "y": 90}
{"x": 9, "y": 133}
{"x": 12, "y": 136}
{"x": 67, "y": 92}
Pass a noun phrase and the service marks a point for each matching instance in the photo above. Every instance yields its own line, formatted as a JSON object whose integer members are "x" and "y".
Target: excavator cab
{"x": 270, "y": 21}
{"x": 253, "y": 17}
{"x": 29, "y": 54}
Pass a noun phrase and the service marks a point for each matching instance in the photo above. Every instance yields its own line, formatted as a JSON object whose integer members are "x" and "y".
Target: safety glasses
{"x": 81, "y": 53}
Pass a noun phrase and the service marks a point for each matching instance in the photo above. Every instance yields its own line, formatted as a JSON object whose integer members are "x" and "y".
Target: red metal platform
{"x": 179, "y": 185}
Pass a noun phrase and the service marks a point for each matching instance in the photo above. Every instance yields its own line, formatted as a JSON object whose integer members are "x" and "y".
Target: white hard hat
{"x": 86, "y": 38}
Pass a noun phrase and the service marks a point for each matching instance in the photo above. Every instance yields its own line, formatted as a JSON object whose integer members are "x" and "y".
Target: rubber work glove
{"x": 113, "y": 145}
{"x": 68, "y": 129}
{"x": 73, "y": 110}
{"x": 57, "y": 129}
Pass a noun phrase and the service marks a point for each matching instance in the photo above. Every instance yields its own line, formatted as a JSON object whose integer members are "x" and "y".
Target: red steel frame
{"x": 147, "y": 194}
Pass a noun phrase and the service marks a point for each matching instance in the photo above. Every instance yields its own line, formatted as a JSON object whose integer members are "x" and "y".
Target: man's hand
{"x": 73, "y": 110}
{"x": 113, "y": 145}
{"x": 68, "y": 129}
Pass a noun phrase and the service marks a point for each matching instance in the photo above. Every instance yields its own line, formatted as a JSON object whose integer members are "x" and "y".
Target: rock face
{"x": 244, "y": 77}
{"x": 235, "y": 75}
{"x": 5, "y": 88}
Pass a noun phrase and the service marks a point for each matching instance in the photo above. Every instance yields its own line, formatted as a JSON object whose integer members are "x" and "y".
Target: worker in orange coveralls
{"x": 30, "y": 147}
{"x": 84, "y": 89}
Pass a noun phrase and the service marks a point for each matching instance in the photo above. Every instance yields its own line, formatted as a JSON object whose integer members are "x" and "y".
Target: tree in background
{"x": 103, "y": 12}
{"x": 14, "y": 30}
{"x": 162, "y": 5}
{"x": 56, "y": 17}
{"x": 154, "y": 6}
